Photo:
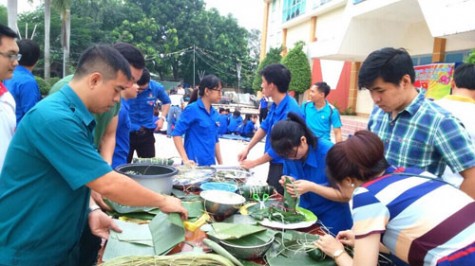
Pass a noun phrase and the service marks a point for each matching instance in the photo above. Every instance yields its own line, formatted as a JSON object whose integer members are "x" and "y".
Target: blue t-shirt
{"x": 201, "y": 132}
{"x": 264, "y": 103}
{"x": 334, "y": 215}
{"x": 43, "y": 198}
{"x": 277, "y": 113}
{"x": 122, "y": 136}
{"x": 223, "y": 124}
{"x": 321, "y": 121}
{"x": 247, "y": 129}
{"x": 234, "y": 122}
{"x": 141, "y": 108}
{"x": 24, "y": 89}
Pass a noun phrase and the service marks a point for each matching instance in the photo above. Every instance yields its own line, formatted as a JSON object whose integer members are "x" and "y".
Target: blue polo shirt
{"x": 234, "y": 122}
{"x": 223, "y": 124}
{"x": 277, "y": 113}
{"x": 201, "y": 132}
{"x": 248, "y": 129}
{"x": 321, "y": 121}
{"x": 264, "y": 103}
{"x": 24, "y": 89}
{"x": 122, "y": 136}
{"x": 43, "y": 198}
{"x": 334, "y": 215}
{"x": 141, "y": 108}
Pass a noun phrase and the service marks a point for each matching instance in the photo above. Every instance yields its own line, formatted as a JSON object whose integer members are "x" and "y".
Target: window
{"x": 293, "y": 9}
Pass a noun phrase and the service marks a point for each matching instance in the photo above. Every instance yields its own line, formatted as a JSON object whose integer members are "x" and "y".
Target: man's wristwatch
{"x": 338, "y": 253}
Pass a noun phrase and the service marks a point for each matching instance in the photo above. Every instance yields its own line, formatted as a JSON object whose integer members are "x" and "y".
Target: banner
{"x": 435, "y": 79}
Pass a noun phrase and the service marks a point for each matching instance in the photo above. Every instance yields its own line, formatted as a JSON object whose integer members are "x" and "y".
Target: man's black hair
{"x": 323, "y": 87}
{"x": 145, "y": 78}
{"x": 388, "y": 63}
{"x": 103, "y": 59}
{"x": 7, "y": 31}
{"x": 30, "y": 52}
{"x": 131, "y": 54}
{"x": 464, "y": 76}
{"x": 277, "y": 74}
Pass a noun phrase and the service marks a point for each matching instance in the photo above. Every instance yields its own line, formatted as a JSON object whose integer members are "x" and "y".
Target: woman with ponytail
{"x": 198, "y": 124}
{"x": 305, "y": 162}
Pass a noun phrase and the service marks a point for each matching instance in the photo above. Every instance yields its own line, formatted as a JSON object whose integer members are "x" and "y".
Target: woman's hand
{"x": 300, "y": 187}
{"x": 346, "y": 237}
{"x": 329, "y": 245}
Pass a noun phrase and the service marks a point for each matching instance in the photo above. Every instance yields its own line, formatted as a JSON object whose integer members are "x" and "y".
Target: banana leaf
{"x": 290, "y": 248}
{"x": 226, "y": 231}
{"x": 195, "y": 208}
{"x": 135, "y": 239}
{"x": 254, "y": 239}
{"x": 167, "y": 231}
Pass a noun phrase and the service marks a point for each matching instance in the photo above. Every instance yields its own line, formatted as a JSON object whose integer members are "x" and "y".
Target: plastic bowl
{"x": 223, "y": 186}
{"x": 246, "y": 252}
{"x": 155, "y": 177}
{"x": 221, "y": 204}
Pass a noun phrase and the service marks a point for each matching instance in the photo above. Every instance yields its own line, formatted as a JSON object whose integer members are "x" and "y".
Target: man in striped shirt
{"x": 415, "y": 131}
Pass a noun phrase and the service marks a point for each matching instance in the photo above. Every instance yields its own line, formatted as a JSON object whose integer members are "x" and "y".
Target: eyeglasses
{"x": 12, "y": 57}
{"x": 220, "y": 90}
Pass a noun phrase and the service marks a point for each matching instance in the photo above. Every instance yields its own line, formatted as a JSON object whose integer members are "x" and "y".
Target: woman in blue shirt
{"x": 199, "y": 125}
{"x": 305, "y": 161}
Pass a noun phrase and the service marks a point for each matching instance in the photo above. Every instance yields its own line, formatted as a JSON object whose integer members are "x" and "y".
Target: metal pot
{"x": 155, "y": 177}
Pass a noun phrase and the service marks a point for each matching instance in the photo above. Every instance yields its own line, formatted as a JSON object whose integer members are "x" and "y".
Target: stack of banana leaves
{"x": 288, "y": 248}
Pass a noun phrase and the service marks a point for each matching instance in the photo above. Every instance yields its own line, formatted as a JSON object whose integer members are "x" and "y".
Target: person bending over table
{"x": 52, "y": 165}
{"x": 305, "y": 161}
{"x": 419, "y": 218}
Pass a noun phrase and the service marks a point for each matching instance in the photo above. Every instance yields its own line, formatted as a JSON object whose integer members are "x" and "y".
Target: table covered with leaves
{"x": 151, "y": 237}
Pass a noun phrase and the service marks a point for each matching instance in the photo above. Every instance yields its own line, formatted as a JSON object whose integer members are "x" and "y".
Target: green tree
{"x": 297, "y": 63}
{"x": 471, "y": 57}
{"x": 272, "y": 57}
{"x": 3, "y": 15}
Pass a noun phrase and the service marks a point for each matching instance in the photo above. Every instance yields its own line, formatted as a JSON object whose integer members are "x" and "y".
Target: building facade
{"x": 339, "y": 34}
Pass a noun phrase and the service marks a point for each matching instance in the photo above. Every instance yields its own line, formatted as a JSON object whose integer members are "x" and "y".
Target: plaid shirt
{"x": 424, "y": 135}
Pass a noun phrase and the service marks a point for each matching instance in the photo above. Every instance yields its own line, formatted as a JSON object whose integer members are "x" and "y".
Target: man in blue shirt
{"x": 55, "y": 141}
{"x": 263, "y": 108}
{"x": 275, "y": 84}
{"x": 142, "y": 139}
{"x": 320, "y": 115}
{"x": 416, "y": 132}
{"x": 23, "y": 85}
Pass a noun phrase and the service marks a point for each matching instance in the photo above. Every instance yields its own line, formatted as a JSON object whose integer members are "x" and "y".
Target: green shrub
{"x": 297, "y": 63}
{"x": 44, "y": 86}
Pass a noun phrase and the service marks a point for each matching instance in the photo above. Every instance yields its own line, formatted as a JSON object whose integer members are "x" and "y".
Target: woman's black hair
{"x": 286, "y": 134}
{"x": 360, "y": 156}
{"x": 209, "y": 81}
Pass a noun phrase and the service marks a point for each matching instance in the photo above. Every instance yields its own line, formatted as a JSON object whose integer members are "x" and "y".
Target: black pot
{"x": 155, "y": 177}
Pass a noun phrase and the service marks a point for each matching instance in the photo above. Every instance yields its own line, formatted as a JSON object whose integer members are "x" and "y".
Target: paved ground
{"x": 229, "y": 149}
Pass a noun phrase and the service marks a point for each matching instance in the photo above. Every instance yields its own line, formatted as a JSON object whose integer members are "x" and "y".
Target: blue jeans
{"x": 173, "y": 115}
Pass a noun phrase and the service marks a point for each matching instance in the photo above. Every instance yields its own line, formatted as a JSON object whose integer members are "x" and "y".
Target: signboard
{"x": 435, "y": 79}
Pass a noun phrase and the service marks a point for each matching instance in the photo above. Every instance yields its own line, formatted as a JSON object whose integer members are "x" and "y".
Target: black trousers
{"x": 262, "y": 114}
{"x": 89, "y": 246}
{"x": 143, "y": 142}
{"x": 274, "y": 175}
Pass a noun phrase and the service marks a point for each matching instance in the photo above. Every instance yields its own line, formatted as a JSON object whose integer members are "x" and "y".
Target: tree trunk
{"x": 12, "y": 7}
{"x": 47, "y": 39}
{"x": 66, "y": 30}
